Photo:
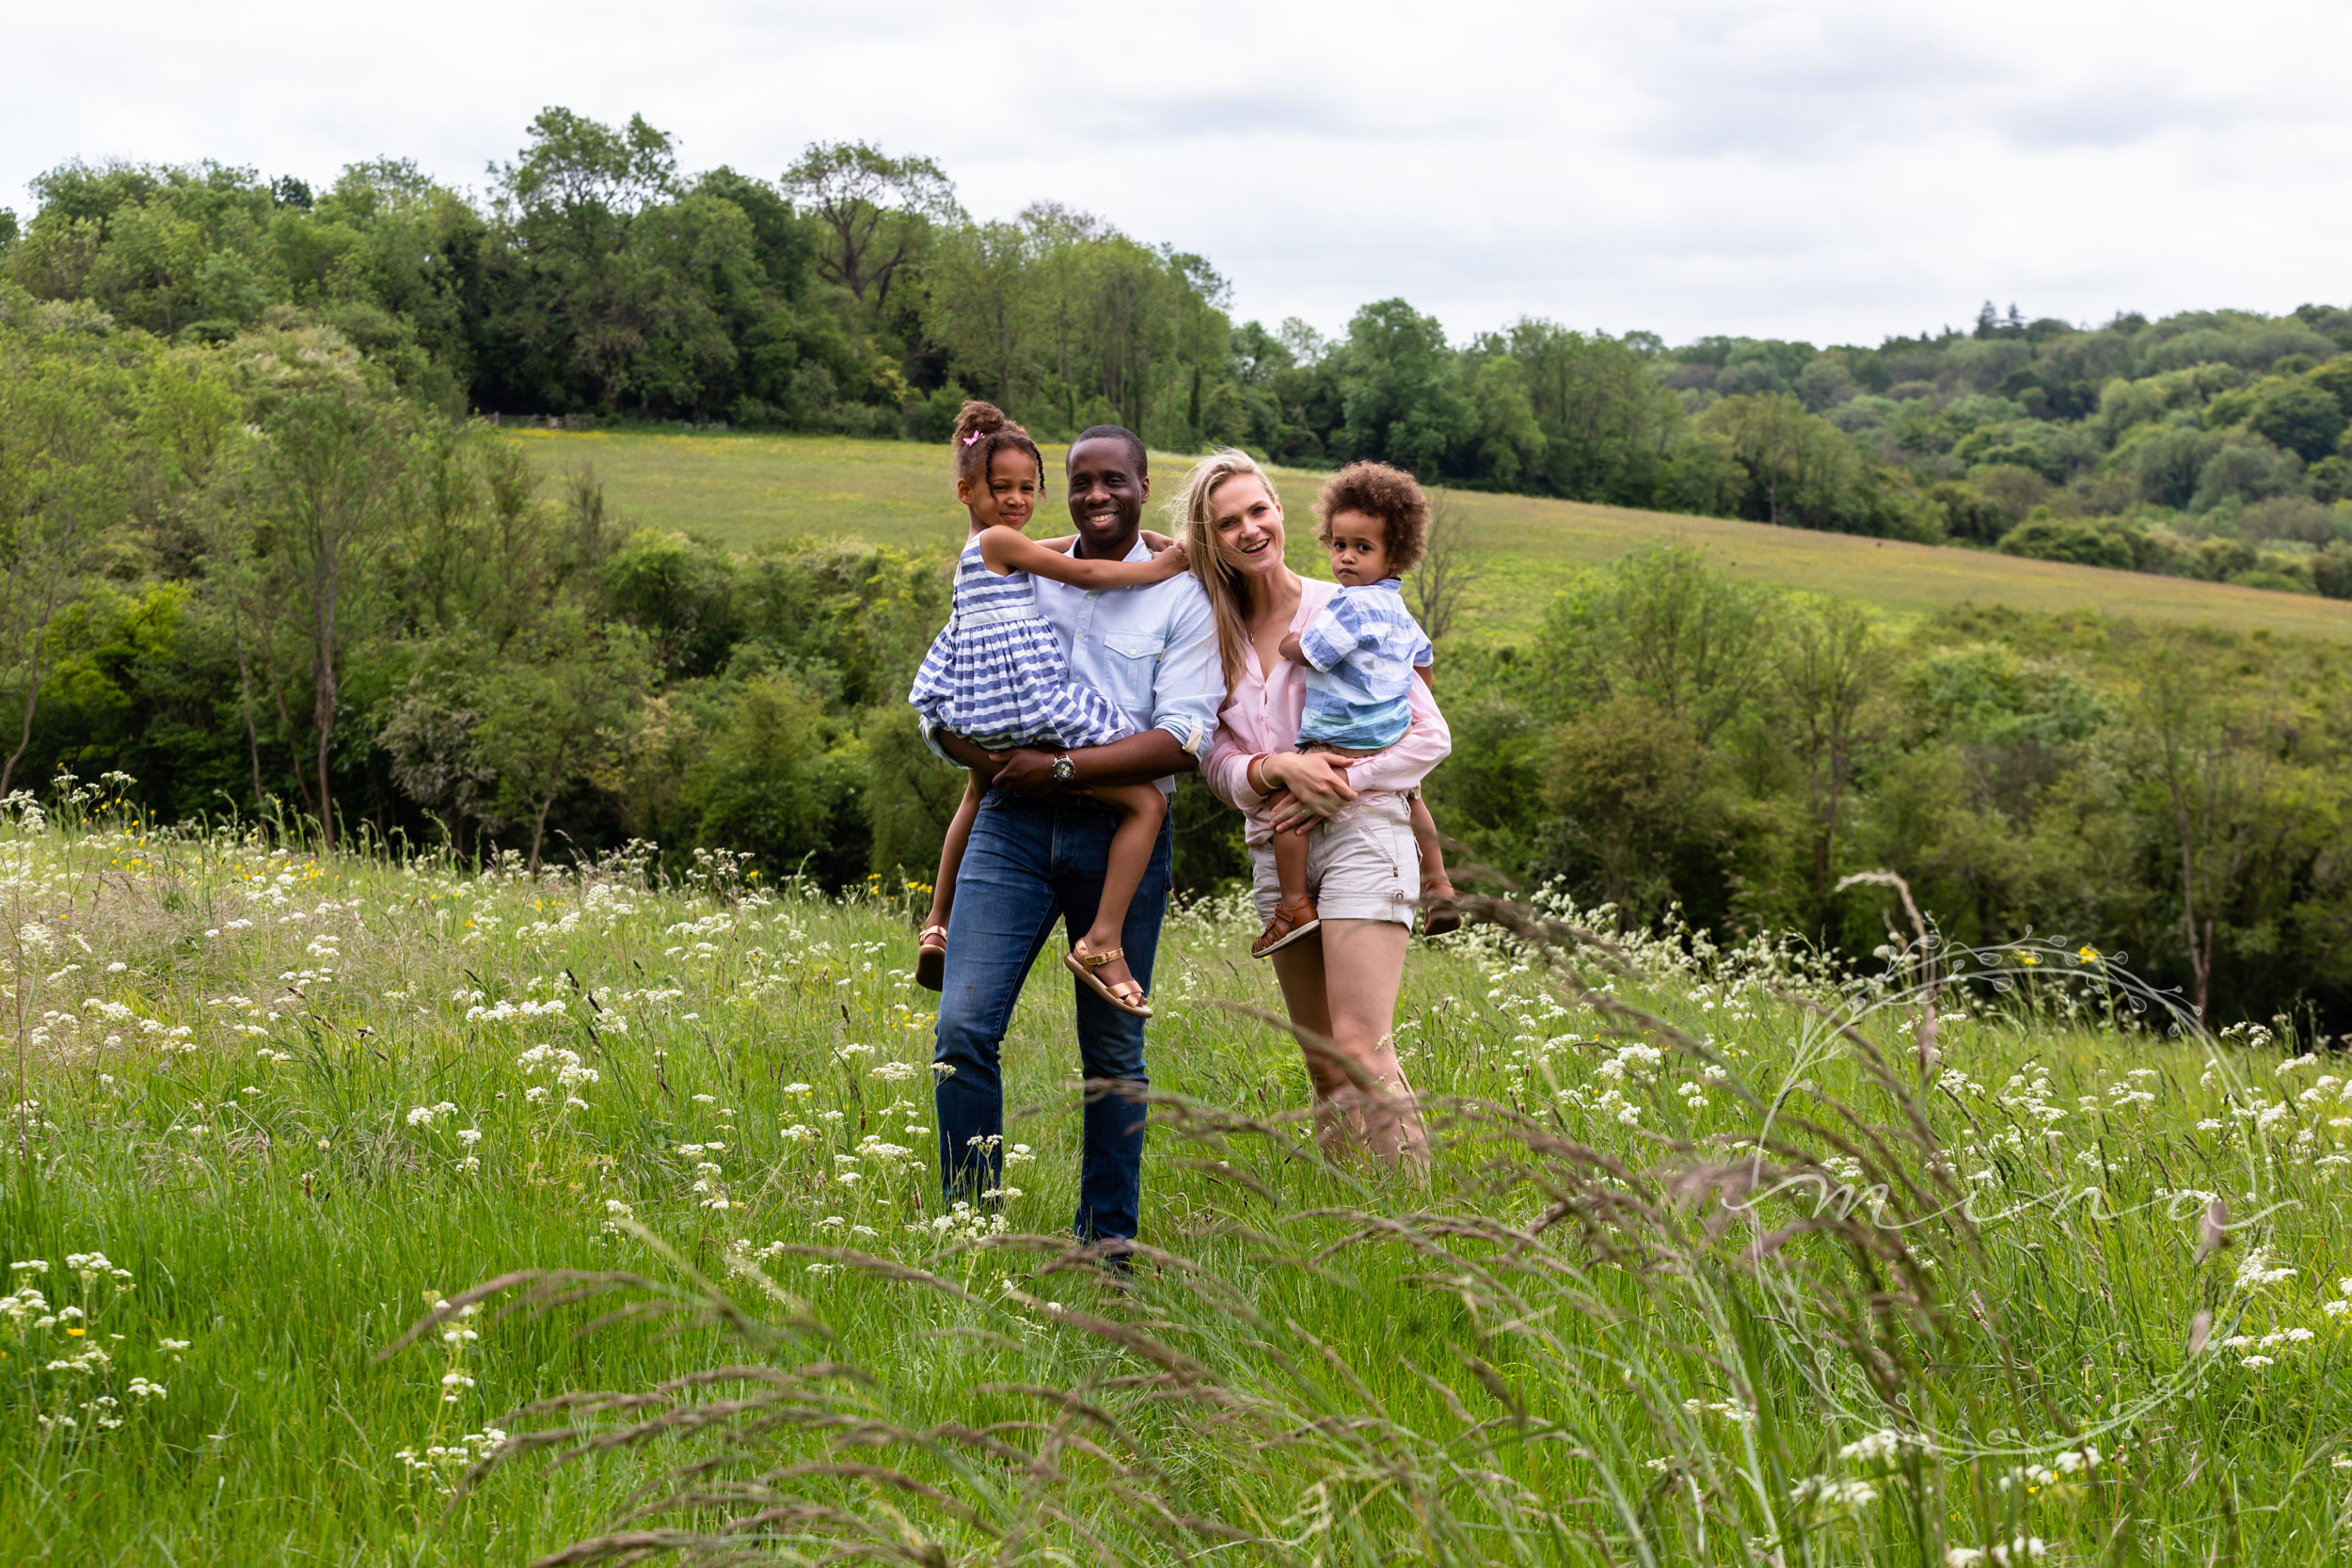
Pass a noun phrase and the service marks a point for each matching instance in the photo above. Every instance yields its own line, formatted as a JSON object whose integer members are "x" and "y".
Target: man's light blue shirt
{"x": 1152, "y": 650}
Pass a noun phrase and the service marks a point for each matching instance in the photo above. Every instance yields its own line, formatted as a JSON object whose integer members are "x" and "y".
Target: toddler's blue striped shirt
{"x": 1360, "y": 653}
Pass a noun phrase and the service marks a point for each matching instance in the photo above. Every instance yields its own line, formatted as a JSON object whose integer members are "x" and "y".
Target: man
{"x": 1038, "y": 849}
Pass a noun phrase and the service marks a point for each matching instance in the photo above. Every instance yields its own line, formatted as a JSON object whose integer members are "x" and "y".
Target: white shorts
{"x": 1361, "y": 865}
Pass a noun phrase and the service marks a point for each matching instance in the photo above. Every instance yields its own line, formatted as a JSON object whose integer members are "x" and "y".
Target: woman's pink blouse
{"x": 1261, "y": 714}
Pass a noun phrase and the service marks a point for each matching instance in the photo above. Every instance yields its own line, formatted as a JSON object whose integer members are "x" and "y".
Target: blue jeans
{"x": 1028, "y": 863}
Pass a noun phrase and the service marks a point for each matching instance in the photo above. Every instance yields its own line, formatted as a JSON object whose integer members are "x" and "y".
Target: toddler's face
{"x": 1359, "y": 549}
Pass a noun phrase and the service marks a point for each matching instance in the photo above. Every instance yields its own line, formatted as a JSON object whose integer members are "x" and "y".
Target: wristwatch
{"x": 1064, "y": 770}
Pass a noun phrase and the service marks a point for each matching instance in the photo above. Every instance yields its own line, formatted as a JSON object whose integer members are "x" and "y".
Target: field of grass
{"x": 1699, "y": 1273}
{"x": 745, "y": 491}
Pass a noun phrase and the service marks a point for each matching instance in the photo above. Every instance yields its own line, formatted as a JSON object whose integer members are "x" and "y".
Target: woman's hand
{"x": 1316, "y": 785}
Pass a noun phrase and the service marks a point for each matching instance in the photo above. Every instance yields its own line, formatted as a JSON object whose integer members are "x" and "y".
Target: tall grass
{"x": 458, "y": 1215}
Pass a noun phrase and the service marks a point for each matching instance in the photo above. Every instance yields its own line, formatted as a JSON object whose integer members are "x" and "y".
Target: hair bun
{"x": 977, "y": 418}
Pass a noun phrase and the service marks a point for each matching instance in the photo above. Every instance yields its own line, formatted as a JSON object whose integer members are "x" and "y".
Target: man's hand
{"x": 1290, "y": 648}
{"x": 1025, "y": 772}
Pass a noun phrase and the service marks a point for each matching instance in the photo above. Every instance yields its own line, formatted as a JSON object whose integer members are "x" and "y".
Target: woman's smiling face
{"x": 1247, "y": 521}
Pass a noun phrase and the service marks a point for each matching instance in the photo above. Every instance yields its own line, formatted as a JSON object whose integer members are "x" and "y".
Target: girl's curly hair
{"x": 982, "y": 430}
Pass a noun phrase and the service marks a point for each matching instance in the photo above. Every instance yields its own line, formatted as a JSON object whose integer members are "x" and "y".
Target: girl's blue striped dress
{"x": 996, "y": 673}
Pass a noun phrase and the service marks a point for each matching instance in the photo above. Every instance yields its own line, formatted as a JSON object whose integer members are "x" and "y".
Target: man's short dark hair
{"x": 1118, "y": 431}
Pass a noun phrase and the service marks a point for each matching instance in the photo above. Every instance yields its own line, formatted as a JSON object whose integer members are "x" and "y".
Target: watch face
{"x": 1065, "y": 770}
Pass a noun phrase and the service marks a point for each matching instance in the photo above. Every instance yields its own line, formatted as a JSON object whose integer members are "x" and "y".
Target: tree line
{"x": 851, "y": 292}
{"x": 266, "y": 580}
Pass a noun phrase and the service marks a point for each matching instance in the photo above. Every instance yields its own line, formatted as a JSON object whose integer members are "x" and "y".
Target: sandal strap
{"x": 1096, "y": 960}
{"x": 929, "y": 931}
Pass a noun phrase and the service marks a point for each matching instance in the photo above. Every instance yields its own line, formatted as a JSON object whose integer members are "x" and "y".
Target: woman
{"x": 1341, "y": 984}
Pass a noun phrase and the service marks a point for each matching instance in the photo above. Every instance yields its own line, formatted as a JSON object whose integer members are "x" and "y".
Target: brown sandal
{"x": 1126, "y": 995}
{"x": 1290, "y": 923}
{"x": 930, "y": 957}
{"x": 1437, "y": 914}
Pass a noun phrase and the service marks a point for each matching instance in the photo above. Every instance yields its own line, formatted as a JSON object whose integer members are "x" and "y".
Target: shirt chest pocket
{"x": 1130, "y": 666}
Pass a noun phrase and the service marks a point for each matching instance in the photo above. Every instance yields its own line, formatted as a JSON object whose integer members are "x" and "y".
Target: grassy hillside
{"x": 749, "y": 490}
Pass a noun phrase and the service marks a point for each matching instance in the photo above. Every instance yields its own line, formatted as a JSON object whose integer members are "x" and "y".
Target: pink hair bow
{"x": 971, "y": 438}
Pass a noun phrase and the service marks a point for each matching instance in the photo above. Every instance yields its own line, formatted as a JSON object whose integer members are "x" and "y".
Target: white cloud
{"x": 1833, "y": 170}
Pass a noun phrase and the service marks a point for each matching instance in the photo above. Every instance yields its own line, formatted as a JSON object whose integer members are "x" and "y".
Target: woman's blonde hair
{"x": 1189, "y": 520}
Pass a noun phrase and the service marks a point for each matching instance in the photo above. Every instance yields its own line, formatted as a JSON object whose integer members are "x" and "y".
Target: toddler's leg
{"x": 1294, "y": 914}
{"x": 1436, "y": 886}
{"x": 931, "y": 956}
{"x": 1290, "y": 865}
{"x": 1142, "y": 808}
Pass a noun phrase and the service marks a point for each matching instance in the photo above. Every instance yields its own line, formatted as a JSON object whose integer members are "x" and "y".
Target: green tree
{"x": 63, "y": 484}
{"x": 982, "y": 303}
{"x": 2297, "y": 414}
{"x": 1401, "y": 391}
{"x": 329, "y": 484}
{"x": 1831, "y": 665}
{"x": 551, "y": 710}
{"x": 877, "y": 212}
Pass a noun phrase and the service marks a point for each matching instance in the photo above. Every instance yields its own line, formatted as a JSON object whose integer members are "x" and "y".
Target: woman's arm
{"x": 1427, "y": 743}
{"x": 1008, "y": 551}
{"x": 1227, "y": 769}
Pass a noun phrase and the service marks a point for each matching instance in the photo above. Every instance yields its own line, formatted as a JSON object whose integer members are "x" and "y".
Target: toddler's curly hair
{"x": 1392, "y": 496}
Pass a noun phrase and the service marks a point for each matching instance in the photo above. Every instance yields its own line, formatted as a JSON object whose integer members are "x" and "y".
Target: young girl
{"x": 997, "y": 677}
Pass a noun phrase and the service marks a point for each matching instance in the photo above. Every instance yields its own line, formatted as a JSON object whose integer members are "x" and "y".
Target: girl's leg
{"x": 1140, "y": 808}
{"x": 951, "y": 852}
{"x": 930, "y": 951}
{"x": 1342, "y": 985}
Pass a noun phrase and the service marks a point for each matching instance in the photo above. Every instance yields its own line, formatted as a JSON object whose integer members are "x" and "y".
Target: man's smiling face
{"x": 1107, "y": 489}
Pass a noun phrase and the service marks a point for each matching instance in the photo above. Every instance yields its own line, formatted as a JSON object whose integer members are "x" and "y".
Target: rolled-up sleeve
{"x": 1330, "y": 638}
{"x": 1190, "y": 684}
{"x": 1427, "y": 743}
{"x": 1227, "y": 769}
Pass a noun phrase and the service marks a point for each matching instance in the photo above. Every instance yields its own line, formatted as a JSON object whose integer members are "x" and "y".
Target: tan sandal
{"x": 1290, "y": 923}
{"x": 1126, "y": 995}
{"x": 1437, "y": 914}
{"x": 930, "y": 957}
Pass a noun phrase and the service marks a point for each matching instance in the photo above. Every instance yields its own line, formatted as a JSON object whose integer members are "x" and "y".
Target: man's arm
{"x": 1137, "y": 759}
{"x": 1188, "y": 688}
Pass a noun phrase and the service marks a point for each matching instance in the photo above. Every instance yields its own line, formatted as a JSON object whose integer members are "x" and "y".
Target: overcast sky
{"x": 1838, "y": 172}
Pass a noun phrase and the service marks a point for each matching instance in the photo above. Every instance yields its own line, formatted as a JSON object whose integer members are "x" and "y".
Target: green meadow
{"x": 1722, "y": 1257}
{"x": 746, "y": 491}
